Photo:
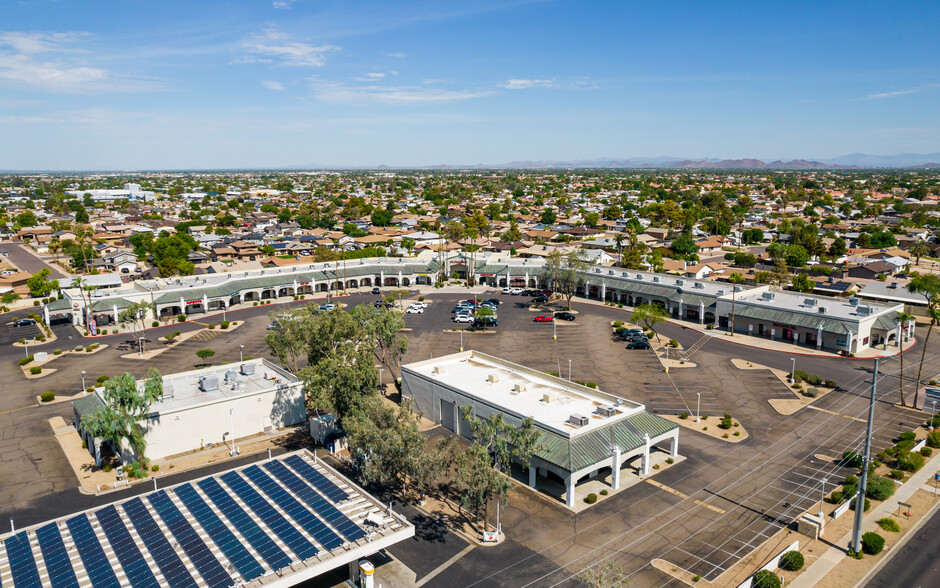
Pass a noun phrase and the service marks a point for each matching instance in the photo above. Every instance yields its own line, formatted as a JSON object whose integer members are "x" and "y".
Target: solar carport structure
{"x": 274, "y": 523}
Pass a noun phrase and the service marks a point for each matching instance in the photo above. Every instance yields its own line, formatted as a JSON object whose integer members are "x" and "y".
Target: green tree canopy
{"x": 40, "y": 285}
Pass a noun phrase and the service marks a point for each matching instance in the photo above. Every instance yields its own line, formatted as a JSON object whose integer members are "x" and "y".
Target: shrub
{"x": 879, "y": 488}
{"x": 792, "y": 561}
{"x": 224, "y": 324}
{"x": 604, "y": 492}
{"x": 36, "y": 369}
{"x": 21, "y": 340}
{"x": 57, "y": 352}
{"x": 737, "y": 433}
{"x": 255, "y": 304}
{"x": 867, "y": 505}
{"x": 725, "y": 436}
{"x": 25, "y": 360}
{"x": 40, "y": 338}
{"x": 420, "y": 298}
{"x": 896, "y": 474}
{"x": 211, "y": 326}
{"x": 106, "y": 467}
{"x": 669, "y": 460}
{"x": 890, "y": 525}
{"x": 696, "y": 578}
{"x": 78, "y": 348}
{"x": 933, "y": 439}
{"x": 907, "y": 436}
{"x": 47, "y": 396}
{"x": 852, "y": 459}
{"x": 926, "y": 451}
{"x": 169, "y": 336}
{"x": 155, "y": 468}
{"x": 934, "y": 421}
{"x": 836, "y": 497}
{"x": 726, "y": 421}
{"x": 801, "y": 374}
{"x": 673, "y": 343}
{"x": 812, "y": 392}
{"x": 852, "y": 480}
{"x": 592, "y": 385}
{"x": 656, "y": 467}
{"x": 618, "y": 324}
{"x": 181, "y": 318}
{"x": 872, "y": 543}
{"x": 765, "y": 579}
{"x": 910, "y": 462}
{"x": 591, "y": 498}
{"x": 102, "y": 379}
{"x": 684, "y": 415}
{"x": 705, "y": 417}
{"x": 155, "y": 324}
{"x": 830, "y": 383}
{"x": 35, "y": 303}
{"x": 814, "y": 380}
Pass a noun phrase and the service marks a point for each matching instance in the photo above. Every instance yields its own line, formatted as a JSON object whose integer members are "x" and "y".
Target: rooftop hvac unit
{"x": 700, "y": 285}
{"x": 578, "y": 420}
{"x": 208, "y": 383}
{"x": 853, "y": 301}
{"x": 611, "y": 272}
{"x": 738, "y": 289}
{"x": 438, "y": 369}
{"x": 231, "y": 376}
{"x": 721, "y": 292}
{"x": 767, "y": 295}
{"x": 518, "y": 388}
{"x": 655, "y": 278}
{"x": 864, "y": 310}
{"x": 822, "y": 310}
{"x": 639, "y": 276}
{"x": 809, "y": 302}
{"x": 606, "y": 411}
{"x": 248, "y": 369}
{"x": 492, "y": 378}
{"x": 680, "y": 282}
{"x": 548, "y": 398}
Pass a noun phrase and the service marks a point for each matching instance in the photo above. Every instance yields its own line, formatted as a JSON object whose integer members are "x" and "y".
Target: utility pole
{"x": 863, "y": 478}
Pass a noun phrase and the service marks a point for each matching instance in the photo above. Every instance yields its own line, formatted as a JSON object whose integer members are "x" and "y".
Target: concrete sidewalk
{"x": 834, "y": 555}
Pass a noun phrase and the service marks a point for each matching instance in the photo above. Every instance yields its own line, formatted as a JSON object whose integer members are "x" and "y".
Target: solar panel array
{"x": 217, "y": 532}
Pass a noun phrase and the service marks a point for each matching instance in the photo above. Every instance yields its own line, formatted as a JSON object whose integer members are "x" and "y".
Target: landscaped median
{"x": 171, "y": 340}
{"x": 806, "y": 387}
{"x": 33, "y": 366}
{"x": 725, "y": 427}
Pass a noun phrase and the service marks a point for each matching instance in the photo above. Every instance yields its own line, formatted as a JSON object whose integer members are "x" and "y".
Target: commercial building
{"x": 129, "y": 192}
{"x": 277, "y": 523}
{"x": 584, "y": 433}
{"x": 209, "y": 406}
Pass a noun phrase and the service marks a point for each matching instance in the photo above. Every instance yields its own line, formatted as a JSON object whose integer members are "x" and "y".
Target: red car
{"x": 544, "y": 318}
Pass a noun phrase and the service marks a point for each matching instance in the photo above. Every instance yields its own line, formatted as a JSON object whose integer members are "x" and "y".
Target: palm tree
{"x": 619, "y": 240}
{"x": 919, "y": 250}
{"x": 735, "y": 279}
{"x": 928, "y": 286}
{"x": 54, "y": 247}
{"x": 904, "y": 318}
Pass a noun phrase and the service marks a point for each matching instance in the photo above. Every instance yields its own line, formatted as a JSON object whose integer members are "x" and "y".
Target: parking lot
{"x": 714, "y": 507}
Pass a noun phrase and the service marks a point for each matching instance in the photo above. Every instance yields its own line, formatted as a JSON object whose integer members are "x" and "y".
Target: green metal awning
{"x": 887, "y": 322}
{"x": 797, "y": 319}
{"x": 59, "y": 304}
{"x": 87, "y": 405}
{"x": 109, "y": 304}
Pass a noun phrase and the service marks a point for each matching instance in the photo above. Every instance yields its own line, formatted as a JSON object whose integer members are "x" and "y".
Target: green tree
{"x": 919, "y": 250}
{"x": 289, "y": 339}
{"x": 928, "y": 286}
{"x": 591, "y": 219}
{"x": 81, "y": 216}
{"x": 126, "y": 403}
{"x": 26, "y": 219}
{"x": 838, "y": 247}
{"x": 796, "y": 256}
{"x": 484, "y": 314}
{"x": 803, "y": 283}
{"x": 136, "y": 314}
{"x": 40, "y": 285}
{"x": 566, "y": 272}
{"x": 382, "y": 217}
{"x": 548, "y": 217}
{"x": 170, "y": 254}
{"x": 648, "y": 315}
{"x": 684, "y": 245}
{"x": 204, "y": 355}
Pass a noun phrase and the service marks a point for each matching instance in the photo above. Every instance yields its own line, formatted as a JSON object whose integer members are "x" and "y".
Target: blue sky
{"x": 275, "y": 83}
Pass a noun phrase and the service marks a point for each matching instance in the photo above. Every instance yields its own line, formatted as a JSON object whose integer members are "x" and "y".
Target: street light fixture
{"x": 698, "y": 405}
{"x": 569, "y": 370}
{"x": 793, "y": 370}
{"x": 83, "y": 381}
{"x": 933, "y": 410}
{"x": 241, "y": 353}
{"x": 822, "y": 497}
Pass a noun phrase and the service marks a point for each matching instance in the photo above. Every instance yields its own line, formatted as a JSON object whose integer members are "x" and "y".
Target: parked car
{"x": 540, "y": 300}
{"x": 415, "y": 310}
{"x": 564, "y": 316}
{"x": 507, "y": 290}
{"x": 544, "y": 318}
{"x": 24, "y": 323}
{"x": 463, "y": 318}
{"x": 381, "y": 303}
{"x": 641, "y": 344}
{"x": 376, "y": 290}
{"x": 327, "y": 307}
{"x": 488, "y": 321}
{"x": 493, "y": 301}
{"x": 528, "y": 293}
{"x": 516, "y": 291}
{"x": 420, "y": 304}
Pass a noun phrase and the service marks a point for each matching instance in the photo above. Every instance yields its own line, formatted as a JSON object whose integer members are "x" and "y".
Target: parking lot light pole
{"x": 698, "y": 405}
{"x": 83, "y": 381}
{"x": 822, "y": 498}
{"x": 461, "y": 340}
{"x": 241, "y": 353}
{"x": 793, "y": 370}
{"x": 554, "y": 329}
{"x": 569, "y": 370}
{"x": 933, "y": 410}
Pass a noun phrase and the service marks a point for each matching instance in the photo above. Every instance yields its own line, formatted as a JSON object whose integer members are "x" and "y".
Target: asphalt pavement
{"x": 915, "y": 565}
{"x": 28, "y": 261}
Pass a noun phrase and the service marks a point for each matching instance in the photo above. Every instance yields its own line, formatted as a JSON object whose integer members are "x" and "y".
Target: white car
{"x": 463, "y": 318}
{"x": 420, "y": 304}
{"x": 507, "y": 290}
{"x": 327, "y": 307}
{"x": 516, "y": 291}
{"x": 414, "y": 310}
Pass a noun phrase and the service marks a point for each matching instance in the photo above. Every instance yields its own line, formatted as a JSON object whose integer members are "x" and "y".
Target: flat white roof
{"x": 522, "y": 391}
{"x": 840, "y": 308}
{"x": 181, "y": 390}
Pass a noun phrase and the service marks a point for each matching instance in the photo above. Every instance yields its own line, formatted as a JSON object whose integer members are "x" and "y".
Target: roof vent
{"x": 578, "y": 420}
{"x": 230, "y": 376}
{"x": 438, "y": 369}
{"x": 248, "y": 369}
{"x": 517, "y": 388}
{"x": 853, "y": 301}
{"x": 548, "y": 398}
{"x": 606, "y": 411}
{"x": 492, "y": 378}
{"x": 208, "y": 383}
{"x": 700, "y": 285}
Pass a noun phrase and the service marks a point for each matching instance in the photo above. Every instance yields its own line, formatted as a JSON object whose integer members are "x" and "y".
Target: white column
{"x": 819, "y": 337}
{"x": 674, "y": 445}
{"x": 603, "y": 291}
{"x": 645, "y": 466}
{"x": 399, "y": 279}
{"x": 508, "y": 279}
{"x": 295, "y": 287}
{"x": 115, "y": 313}
{"x": 681, "y": 306}
{"x": 773, "y": 334}
{"x": 701, "y": 313}
{"x": 899, "y": 335}
{"x": 615, "y": 468}
{"x": 382, "y": 278}
{"x": 527, "y": 279}
{"x": 848, "y": 342}
{"x": 569, "y": 491}
{"x": 182, "y": 305}
{"x": 533, "y": 473}
{"x": 45, "y": 314}
{"x": 750, "y": 329}
{"x": 205, "y": 304}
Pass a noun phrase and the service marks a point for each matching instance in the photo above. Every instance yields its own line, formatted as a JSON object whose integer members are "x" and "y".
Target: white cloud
{"x": 397, "y": 55}
{"x": 896, "y": 93}
{"x": 273, "y": 46}
{"x": 340, "y": 92}
{"x": 284, "y": 4}
{"x": 522, "y": 84}
{"x": 272, "y": 85}
{"x": 20, "y": 63}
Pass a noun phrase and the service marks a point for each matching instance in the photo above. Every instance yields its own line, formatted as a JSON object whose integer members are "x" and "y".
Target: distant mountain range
{"x": 852, "y": 161}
